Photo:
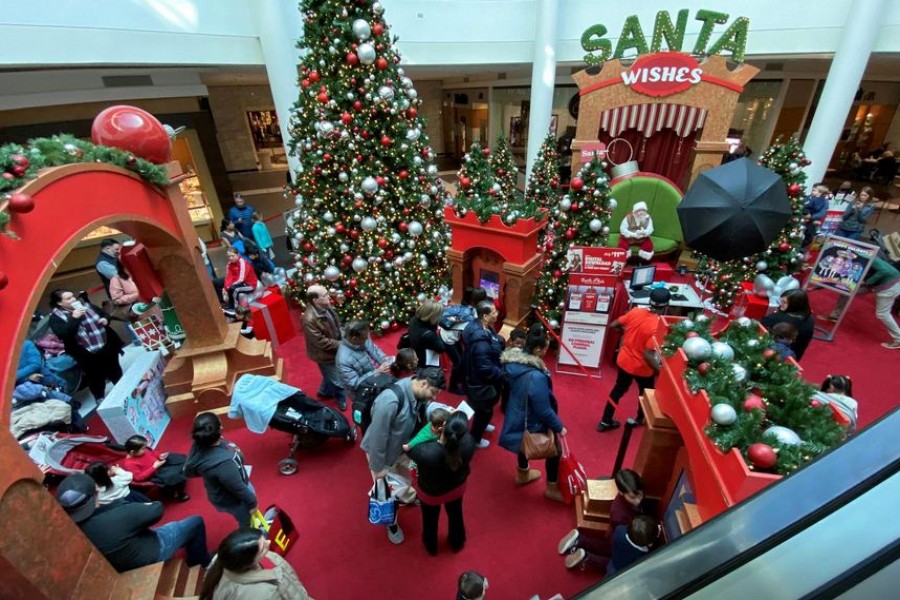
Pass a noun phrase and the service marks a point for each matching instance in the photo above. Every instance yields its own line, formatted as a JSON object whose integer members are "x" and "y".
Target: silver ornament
{"x": 343, "y": 177}
{"x": 723, "y": 351}
{"x": 763, "y": 285}
{"x": 359, "y": 264}
{"x": 762, "y": 266}
{"x": 605, "y": 230}
{"x": 298, "y": 201}
{"x": 554, "y": 324}
{"x": 596, "y": 225}
{"x": 687, "y": 324}
{"x": 783, "y": 435}
{"x": 368, "y": 224}
{"x": 361, "y": 29}
{"x": 332, "y": 273}
{"x": 740, "y": 373}
{"x": 413, "y": 134}
{"x": 386, "y": 93}
{"x": 723, "y": 414}
{"x": 744, "y": 322}
{"x": 366, "y": 53}
{"x": 613, "y": 204}
{"x": 328, "y": 216}
{"x": 412, "y": 93}
{"x": 432, "y": 170}
{"x": 565, "y": 204}
{"x": 309, "y": 277}
{"x": 415, "y": 228}
{"x": 369, "y": 185}
{"x": 377, "y": 8}
{"x": 697, "y": 349}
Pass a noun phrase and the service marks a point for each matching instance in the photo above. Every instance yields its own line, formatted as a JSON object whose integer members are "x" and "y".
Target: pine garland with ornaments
{"x": 784, "y": 256}
{"x": 580, "y": 218}
{"x": 543, "y": 189}
{"x": 477, "y": 190}
{"x": 369, "y": 220}
{"x": 21, "y": 163}
{"x": 505, "y": 171}
{"x": 759, "y": 404}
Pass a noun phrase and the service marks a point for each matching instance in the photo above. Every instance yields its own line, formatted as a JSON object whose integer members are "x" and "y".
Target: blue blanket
{"x": 255, "y": 399}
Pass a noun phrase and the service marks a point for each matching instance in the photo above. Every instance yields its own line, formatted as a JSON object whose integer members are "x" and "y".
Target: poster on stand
{"x": 593, "y": 273}
{"x": 841, "y": 267}
{"x": 137, "y": 403}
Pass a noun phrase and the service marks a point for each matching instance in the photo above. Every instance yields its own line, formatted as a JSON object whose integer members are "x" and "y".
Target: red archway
{"x": 69, "y": 201}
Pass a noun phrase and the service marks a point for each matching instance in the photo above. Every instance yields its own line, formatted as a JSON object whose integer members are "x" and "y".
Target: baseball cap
{"x": 660, "y": 297}
{"x": 76, "y": 495}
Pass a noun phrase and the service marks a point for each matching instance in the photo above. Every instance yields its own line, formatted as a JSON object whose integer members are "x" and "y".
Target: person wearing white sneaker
{"x": 883, "y": 279}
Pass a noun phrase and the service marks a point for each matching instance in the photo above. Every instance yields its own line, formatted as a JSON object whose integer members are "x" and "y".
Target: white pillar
{"x": 863, "y": 24}
{"x": 279, "y": 26}
{"x": 543, "y": 77}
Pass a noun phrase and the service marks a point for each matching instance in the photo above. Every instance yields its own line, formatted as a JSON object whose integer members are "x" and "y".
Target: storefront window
{"x": 754, "y": 113}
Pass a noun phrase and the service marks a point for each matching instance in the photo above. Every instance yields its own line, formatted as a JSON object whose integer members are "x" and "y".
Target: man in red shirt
{"x": 637, "y": 359}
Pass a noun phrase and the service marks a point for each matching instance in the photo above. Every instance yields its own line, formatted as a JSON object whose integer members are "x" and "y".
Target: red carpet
{"x": 512, "y": 532}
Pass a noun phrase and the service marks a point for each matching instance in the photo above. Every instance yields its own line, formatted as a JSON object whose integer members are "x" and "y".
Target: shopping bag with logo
{"x": 382, "y": 507}
{"x": 278, "y": 527}
{"x": 572, "y": 476}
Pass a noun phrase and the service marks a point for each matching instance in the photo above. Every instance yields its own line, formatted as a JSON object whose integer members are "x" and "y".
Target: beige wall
{"x": 229, "y": 106}
{"x": 430, "y": 110}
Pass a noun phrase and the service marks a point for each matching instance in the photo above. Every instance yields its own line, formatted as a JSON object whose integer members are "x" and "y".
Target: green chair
{"x": 662, "y": 199}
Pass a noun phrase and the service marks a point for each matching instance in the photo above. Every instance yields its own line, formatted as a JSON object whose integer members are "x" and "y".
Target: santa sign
{"x": 663, "y": 74}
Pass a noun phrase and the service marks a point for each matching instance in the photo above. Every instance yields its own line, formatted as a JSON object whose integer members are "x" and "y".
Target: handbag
{"x": 382, "y": 507}
{"x": 572, "y": 476}
{"x": 538, "y": 444}
{"x": 118, "y": 312}
{"x": 278, "y": 527}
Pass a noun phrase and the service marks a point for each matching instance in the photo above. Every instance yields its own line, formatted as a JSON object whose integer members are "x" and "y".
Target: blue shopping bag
{"x": 382, "y": 507}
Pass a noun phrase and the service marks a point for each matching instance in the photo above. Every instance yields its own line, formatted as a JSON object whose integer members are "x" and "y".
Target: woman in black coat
{"x": 85, "y": 333}
{"x": 423, "y": 334}
{"x": 793, "y": 308}
{"x": 443, "y": 467}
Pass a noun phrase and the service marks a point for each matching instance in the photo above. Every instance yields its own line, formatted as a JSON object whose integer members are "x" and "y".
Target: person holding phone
{"x": 85, "y": 333}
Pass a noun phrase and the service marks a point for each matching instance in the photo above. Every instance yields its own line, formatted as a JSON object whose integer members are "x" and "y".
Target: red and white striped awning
{"x": 650, "y": 118}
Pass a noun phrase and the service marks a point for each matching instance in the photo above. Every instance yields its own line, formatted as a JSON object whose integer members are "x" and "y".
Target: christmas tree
{"x": 369, "y": 222}
{"x": 784, "y": 255}
{"x": 477, "y": 189}
{"x": 505, "y": 171}
{"x": 543, "y": 189}
{"x": 581, "y": 218}
{"x": 758, "y": 403}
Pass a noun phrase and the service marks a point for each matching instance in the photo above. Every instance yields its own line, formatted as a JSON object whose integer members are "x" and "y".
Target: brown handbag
{"x": 537, "y": 445}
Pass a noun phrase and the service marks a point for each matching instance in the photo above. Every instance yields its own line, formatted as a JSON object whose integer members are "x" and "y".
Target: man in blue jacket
{"x": 484, "y": 374}
{"x": 241, "y": 214}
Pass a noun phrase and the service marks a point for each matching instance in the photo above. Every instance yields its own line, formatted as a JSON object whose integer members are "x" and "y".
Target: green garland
{"x": 787, "y": 396}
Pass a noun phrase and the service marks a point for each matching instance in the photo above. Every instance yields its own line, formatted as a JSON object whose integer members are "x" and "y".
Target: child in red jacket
{"x": 164, "y": 469}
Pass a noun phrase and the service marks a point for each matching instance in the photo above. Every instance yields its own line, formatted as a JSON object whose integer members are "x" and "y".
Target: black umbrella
{"x": 734, "y": 211}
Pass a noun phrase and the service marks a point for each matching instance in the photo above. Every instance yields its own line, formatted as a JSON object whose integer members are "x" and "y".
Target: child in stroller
{"x": 263, "y": 402}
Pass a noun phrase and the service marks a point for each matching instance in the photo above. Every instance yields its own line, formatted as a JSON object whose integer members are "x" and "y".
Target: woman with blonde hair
{"x": 423, "y": 334}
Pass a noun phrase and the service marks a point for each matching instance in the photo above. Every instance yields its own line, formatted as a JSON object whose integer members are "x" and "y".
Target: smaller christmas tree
{"x": 505, "y": 171}
{"x": 581, "y": 218}
{"x": 476, "y": 189}
{"x": 784, "y": 255}
{"x": 543, "y": 189}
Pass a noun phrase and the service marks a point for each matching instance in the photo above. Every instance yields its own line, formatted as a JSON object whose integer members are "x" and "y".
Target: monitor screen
{"x": 642, "y": 276}
{"x": 490, "y": 281}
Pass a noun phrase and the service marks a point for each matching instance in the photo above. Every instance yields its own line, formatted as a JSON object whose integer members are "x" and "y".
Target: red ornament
{"x": 574, "y": 207}
{"x": 352, "y": 59}
{"x": 403, "y": 174}
{"x": 357, "y": 105}
{"x": 784, "y": 246}
{"x": 412, "y": 112}
{"x": 346, "y": 118}
{"x": 381, "y": 64}
{"x": 382, "y": 243}
{"x": 354, "y": 233}
{"x": 577, "y": 184}
{"x": 380, "y": 180}
{"x": 794, "y": 189}
{"x": 557, "y": 274}
{"x": 4, "y": 280}
{"x": 305, "y": 83}
{"x": 769, "y": 353}
{"x": 395, "y": 326}
{"x": 691, "y": 334}
{"x": 377, "y": 29}
{"x": 353, "y": 283}
{"x": 754, "y": 402}
{"x": 314, "y": 76}
{"x": 8, "y": 176}
{"x": 18, "y": 170}
{"x": 326, "y": 157}
{"x": 21, "y": 160}
{"x": 340, "y": 228}
{"x": 386, "y": 141}
{"x": 403, "y": 226}
{"x": 762, "y": 456}
{"x": 703, "y": 368}
{"x": 570, "y": 233}
{"x": 20, "y": 203}
{"x": 492, "y": 192}
{"x": 464, "y": 182}
{"x": 133, "y": 130}
{"x": 815, "y": 404}
{"x": 322, "y": 97}
{"x": 486, "y": 151}
{"x": 501, "y": 172}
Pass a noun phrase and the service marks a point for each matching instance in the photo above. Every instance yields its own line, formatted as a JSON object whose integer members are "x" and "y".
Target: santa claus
{"x": 636, "y": 229}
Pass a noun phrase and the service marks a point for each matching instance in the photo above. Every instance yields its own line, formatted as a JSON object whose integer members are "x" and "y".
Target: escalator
{"x": 829, "y": 530}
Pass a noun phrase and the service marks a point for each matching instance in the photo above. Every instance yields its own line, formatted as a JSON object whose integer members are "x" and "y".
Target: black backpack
{"x": 365, "y": 396}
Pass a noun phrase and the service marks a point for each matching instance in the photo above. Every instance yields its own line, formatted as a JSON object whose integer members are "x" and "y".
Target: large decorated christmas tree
{"x": 369, "y": 221}
{"x": 784, "y": 255}
{"x": 581, "y": 218}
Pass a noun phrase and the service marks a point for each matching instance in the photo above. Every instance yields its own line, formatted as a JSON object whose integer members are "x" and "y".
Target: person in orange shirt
{"x": 637, "y": 360}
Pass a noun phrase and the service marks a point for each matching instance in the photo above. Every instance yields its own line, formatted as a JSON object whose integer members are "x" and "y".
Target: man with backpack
{"x": 394, "y": 417}
{"x": 358, "y": 359}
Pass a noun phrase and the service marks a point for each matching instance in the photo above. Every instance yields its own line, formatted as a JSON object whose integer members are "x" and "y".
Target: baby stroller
{"x": 263, "y": 402}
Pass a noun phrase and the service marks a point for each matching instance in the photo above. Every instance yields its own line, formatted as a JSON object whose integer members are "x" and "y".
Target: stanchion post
{"x": 630, "y": 424}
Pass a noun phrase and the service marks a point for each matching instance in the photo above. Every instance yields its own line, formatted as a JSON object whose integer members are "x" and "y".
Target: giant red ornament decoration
{"x": 134, "y": 130}
{"x": 762, "y": 456}
{"x": 577, "y": 184}
{"x": 20, "y": 203}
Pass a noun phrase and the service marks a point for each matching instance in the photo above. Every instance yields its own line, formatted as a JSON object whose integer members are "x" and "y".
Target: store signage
{"x": 589, "y": 260}
{"x": 592, "y": 150}
{"x": 663, "y": 74}
{"x": 733, "y": 40}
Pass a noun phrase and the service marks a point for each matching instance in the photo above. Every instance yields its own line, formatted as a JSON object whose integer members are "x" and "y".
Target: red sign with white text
{"x": 663, "y": 74}
{"x": 587, "y": 260}
{"x": 592, "y": 150}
